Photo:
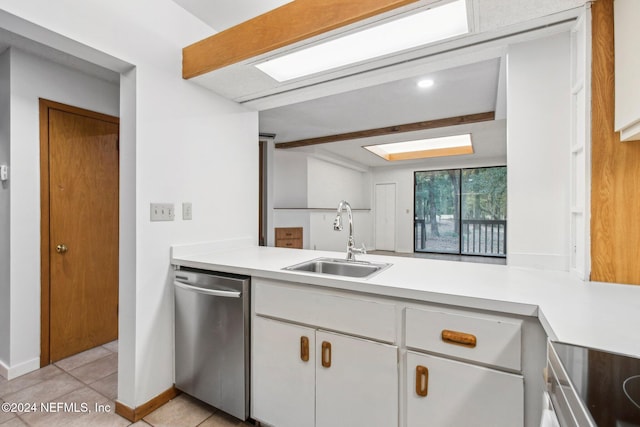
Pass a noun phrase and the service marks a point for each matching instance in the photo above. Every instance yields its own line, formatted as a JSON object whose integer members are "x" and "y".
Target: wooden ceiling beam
{"x": 293, "y": 22}
{"x": 389, "y": 130}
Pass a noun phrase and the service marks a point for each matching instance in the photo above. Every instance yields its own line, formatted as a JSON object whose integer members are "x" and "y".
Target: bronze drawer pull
{"x": 304, "y": 348}
{"x": 459, "y": 338}
{"x": 326, "y": 354}
{"x": 422, "y": 380}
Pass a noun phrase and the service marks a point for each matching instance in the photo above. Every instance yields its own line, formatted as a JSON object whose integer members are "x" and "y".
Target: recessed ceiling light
{"x": 425, "y": 83}
{"x": 431, "y": 25}
{"x": 454, "y": 145}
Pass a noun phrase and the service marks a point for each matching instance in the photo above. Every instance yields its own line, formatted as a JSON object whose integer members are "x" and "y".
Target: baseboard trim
{"x": 11, "y": 372}
{"x": 138, "y": 413}
{"x": 4, "y": 370}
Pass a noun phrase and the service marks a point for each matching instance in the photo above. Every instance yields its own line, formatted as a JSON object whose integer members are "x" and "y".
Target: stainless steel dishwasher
{"x": 212, "y": 338}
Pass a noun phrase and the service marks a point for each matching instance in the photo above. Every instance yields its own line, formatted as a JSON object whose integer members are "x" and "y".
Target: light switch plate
{"x": 187, "y": 211}
{"x": 162, "y": 212}
{"x": 4, "y": 172}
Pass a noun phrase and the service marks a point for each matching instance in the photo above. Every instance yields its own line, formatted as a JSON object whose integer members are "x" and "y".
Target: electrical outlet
{"x": 187, "y": 211}
{"x": 162, "y": 212}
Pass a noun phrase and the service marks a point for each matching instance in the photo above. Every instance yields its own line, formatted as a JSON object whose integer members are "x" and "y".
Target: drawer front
{"x": 355, "y": 316}
{"x": 486, "y": 339}
{"x": 289, "y": 233}
{"x": 289, "y": 243}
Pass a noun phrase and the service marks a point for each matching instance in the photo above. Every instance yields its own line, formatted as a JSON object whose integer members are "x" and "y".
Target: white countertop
{"x": 598, "y": 315}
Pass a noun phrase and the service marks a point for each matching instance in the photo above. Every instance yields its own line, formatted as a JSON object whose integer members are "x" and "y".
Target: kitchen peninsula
{"x": 414, "y": 294}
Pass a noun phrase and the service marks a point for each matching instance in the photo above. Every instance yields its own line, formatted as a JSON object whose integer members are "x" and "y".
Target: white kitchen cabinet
{"x": 497, "y": 341}
{"x": 282, "y": 383}
{"x": 448, "y": 393}
{"x": 474, "y": 361}
{"x": 360, "y": 388}
{"x": 627, "y": 63}
{"x": 345, "y": 381}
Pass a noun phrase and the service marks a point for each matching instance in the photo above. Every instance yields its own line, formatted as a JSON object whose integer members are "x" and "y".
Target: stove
{"x": 593, "y": 388}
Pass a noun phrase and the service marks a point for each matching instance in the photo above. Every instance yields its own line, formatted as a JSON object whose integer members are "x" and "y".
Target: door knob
{"x": 61, "y": 249}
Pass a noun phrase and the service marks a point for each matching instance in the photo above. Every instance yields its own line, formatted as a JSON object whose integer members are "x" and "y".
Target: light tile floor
{"x": 90, "y": 379}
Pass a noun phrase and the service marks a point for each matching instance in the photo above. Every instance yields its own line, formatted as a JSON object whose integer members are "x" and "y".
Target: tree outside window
{"x": 461, "y": 211}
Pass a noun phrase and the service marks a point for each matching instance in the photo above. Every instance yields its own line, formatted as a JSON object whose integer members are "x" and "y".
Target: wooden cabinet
{"x": 307, "y": 377}
{"x": 450, "y": 393}
{"x": 289, "y": 237}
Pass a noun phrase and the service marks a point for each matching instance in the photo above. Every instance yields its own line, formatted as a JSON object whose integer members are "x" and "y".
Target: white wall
{"x": 329, "y": 183}
{"x": 309, "y": 184}
{"x": 290, "y": 179}
{"x": 5, "y": 294}
{"x": 179, "y": 142}
{"x": 538, "y": 152}
{"x": 33, "y": 78}
{"x": 324, "y": 237}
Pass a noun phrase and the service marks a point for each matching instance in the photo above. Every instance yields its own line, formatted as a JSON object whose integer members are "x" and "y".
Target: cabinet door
{"x": 460, "y": 394}
{"x": 283, "y": 384}
{"x": 356, "y": 382}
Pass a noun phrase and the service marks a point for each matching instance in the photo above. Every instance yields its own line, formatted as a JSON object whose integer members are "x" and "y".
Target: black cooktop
{"x": 609, "y": 384}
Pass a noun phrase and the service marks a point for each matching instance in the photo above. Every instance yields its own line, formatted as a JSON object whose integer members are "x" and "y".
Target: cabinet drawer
{"x": 353, "y": 316}
{"x": 497, "y": 339}
{"x": 289, "y": 233}
{"x": 460, "y": 394}
{"x": 289, "y": 243}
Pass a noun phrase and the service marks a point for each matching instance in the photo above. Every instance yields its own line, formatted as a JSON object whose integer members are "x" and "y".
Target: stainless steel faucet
{"x": 337, "y": 226}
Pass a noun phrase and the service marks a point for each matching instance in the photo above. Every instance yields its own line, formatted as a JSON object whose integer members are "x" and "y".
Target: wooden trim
{"x": 426, "y": 154}
{"x": 45, "y": 254}
{"x": 389, "y": 130}
{"x": 293, "y": 22}
{"x": 615, "y": 169}
{"x": 80, "y": 111}
{"x": 135, "y": 415}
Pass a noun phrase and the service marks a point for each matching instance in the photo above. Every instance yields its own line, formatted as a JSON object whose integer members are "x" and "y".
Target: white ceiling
{"x": 488, "y": 138}
{"x": 468, "y": 89}
{"x": 456, "y": 92}
{"x": 459, "y": 91}
{"x": 222, "y": 14}
{"x": 9, "y": 39}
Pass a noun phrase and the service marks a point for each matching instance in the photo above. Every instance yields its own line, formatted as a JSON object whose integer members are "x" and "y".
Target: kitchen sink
{"x": 339, "y": 267}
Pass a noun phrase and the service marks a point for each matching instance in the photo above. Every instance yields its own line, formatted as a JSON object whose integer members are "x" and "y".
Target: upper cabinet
{"x": 627, "y": 66}
{"x": 238, "y": 62}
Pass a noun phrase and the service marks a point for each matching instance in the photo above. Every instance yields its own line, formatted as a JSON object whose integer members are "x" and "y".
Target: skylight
{"x": 411, "y": 31}
{"x": 454, "y": 145}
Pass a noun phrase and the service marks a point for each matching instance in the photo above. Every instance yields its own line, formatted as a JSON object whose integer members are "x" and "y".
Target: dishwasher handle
{"x": 213, "y": 292}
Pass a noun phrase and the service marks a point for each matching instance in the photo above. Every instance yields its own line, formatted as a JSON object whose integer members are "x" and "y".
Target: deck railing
{"x": 477, "y": 237}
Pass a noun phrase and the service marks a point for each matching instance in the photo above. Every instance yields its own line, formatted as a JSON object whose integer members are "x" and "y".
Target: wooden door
{"x": 461, "y": 394}
{"x": 360, "y": 387}
{"x": 80, "y": 241}
{"x": 283, "y": 383}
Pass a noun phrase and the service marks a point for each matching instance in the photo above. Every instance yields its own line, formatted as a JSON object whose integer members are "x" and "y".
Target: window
{"x": 461, "y": 211}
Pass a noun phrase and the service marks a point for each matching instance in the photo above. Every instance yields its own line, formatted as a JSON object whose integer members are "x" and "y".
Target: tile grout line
{"x": 82, "y": 383}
